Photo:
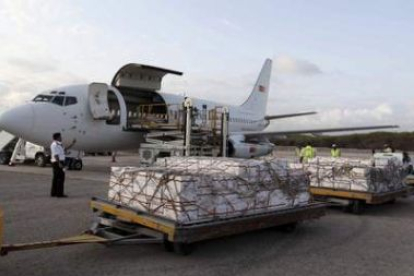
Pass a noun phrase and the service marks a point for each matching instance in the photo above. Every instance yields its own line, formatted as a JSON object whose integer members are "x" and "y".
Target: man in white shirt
{"x": 58, "y": 161}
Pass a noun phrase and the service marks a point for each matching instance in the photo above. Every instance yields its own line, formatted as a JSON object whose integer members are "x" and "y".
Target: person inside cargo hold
{"x": 307, "y": 153}
{"x": 335, "y": 151}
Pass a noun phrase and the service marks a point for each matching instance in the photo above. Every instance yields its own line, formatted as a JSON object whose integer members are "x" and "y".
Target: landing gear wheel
{"x": 40, "y": 160}
{"x": 183, "y": 249}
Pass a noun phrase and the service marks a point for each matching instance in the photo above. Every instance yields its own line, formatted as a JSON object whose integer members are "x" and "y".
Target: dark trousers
{"x": 58, "y": 180}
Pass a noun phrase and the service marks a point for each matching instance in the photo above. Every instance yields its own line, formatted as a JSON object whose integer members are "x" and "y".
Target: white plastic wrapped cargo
{"x": 384, "y": 159}
{"x": 248, "y": 169}
{"x": 204, "y": 190}
{"x": 353, "y": 174}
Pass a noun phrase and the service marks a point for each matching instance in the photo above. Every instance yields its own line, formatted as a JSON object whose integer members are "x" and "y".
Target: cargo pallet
{"x": 117, "y": 224}
{"x": 355, "y": 201}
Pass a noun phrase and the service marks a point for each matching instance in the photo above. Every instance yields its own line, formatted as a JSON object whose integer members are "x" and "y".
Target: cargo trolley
{"x": 356, "y": 201}
{"x": 118, "y": 224}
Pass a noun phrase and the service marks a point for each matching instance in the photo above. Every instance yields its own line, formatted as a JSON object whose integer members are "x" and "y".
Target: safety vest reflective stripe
{"x": 335, "y": 152}
{"x": 308, "y": 152}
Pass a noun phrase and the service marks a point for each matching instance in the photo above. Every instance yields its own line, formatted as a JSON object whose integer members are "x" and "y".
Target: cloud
{"x": 12, "y": 99}
{"x": 223, "y": 89}
{"x": 48, "y": 43}
{"x": 21, "y": 79}
{"x": 340, "y": 117}
{"x": 33, "y": 66}
{"x": 32, "y": 14}
{"x": 39, "y": 38}
{"x": 289, "y": 65}
{"x": 45, "y": 30}
{"x": 230, "y": 24}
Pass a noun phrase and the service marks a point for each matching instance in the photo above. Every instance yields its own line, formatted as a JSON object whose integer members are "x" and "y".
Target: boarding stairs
{"x": 5, "y": 139}
{"x": 11, "y": 149}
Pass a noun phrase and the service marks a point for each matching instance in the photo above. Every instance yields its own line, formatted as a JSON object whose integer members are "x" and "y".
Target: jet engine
{"x": 239, "y": 148}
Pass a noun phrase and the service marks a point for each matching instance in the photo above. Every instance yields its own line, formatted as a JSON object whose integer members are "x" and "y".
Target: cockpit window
{"x": 70, "y": 101}
{"x": 58, "y": 100}
{"x": 43, "y": 98}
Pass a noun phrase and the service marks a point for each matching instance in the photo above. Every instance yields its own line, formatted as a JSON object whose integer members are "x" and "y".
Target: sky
{"x": 351, "y": 61}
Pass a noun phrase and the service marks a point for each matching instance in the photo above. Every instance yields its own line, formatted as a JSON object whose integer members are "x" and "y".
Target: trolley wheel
{"x": 168, "y": 246}
{"x": 183, "y": 249}
{"x": 356, "y": 207}
{"x": 289, "y": 228}
{"x": 392, "y": 201}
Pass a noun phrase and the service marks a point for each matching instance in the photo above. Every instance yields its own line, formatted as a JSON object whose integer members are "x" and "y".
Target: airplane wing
{"x": 282, "y": 116}
{"x": 312, "y": 131}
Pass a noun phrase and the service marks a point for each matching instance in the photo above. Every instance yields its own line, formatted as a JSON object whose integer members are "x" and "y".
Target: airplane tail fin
{"x": 257, "y": 101}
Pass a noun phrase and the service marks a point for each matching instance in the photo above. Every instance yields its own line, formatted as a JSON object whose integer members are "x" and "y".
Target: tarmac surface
{"x": 380, "y": 242}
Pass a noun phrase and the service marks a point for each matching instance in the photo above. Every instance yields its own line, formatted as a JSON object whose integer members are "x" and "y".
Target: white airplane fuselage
{"x": 98, "y": 116}
{"x": 37, "y": 121}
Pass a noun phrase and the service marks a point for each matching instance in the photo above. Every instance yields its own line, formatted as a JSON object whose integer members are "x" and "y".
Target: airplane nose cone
{"x": 18, "y": 120}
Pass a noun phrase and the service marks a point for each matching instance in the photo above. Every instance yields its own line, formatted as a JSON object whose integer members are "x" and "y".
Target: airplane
{"x": 103, "y": 117}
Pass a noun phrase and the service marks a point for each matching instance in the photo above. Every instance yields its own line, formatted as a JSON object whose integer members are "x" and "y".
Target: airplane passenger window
{"x": 43, "y": 98}
{"x": 58, "y": 100}
{"x": 70, "y": 101}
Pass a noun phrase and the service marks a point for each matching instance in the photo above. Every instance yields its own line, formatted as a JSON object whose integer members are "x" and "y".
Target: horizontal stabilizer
{"x": 313, "y": 131}
{"x": 282, "y": 116}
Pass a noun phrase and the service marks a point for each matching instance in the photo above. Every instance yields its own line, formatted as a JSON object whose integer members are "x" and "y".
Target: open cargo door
{"x": 139, "y": 85}
{"x": 140, "y": 76}
{"x": 98, "y": 101}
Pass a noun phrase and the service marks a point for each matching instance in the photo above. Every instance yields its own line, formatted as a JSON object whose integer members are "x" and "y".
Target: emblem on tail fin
{"x": 262, "y": 89}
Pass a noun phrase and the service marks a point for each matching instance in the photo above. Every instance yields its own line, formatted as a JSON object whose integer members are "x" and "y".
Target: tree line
{"x": 374, "y": 140}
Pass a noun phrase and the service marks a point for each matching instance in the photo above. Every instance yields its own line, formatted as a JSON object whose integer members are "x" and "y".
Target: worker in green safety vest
{"x": 307, "y": 153}
{"x": 335, "y": 151}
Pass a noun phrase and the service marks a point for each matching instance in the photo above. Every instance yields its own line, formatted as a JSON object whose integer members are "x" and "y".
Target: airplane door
{"x": 98, "y": 101}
